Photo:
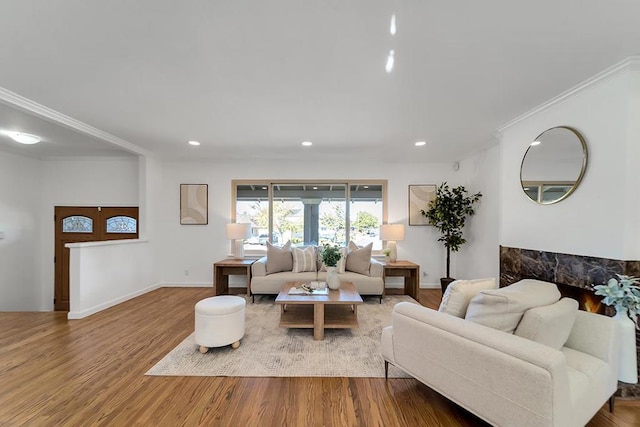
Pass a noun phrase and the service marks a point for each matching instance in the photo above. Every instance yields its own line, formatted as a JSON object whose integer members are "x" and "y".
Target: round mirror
{"x": 553, "y": 165}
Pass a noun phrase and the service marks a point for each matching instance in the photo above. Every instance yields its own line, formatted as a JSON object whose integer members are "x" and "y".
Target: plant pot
{"x": 444, "y": 282}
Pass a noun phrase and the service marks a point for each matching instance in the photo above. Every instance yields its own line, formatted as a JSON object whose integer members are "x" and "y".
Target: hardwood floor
{"x": 55, "y": 372}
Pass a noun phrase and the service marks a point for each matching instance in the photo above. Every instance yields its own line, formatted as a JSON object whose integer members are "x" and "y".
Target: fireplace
{"x": 575, "y": 276}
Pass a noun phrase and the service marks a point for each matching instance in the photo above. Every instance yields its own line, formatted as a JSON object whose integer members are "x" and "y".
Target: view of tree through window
{"x": 309, "y": 213}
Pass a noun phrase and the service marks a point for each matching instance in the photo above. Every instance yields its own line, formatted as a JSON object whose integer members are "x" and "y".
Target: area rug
{"x": 267, "y": 350}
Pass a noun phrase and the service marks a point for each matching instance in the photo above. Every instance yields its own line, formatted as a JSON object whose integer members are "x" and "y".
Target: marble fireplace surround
{"x": 574, "y": 271}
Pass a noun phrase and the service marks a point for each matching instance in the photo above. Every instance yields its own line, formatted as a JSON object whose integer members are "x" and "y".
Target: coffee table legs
{"x": 318, "y": 322}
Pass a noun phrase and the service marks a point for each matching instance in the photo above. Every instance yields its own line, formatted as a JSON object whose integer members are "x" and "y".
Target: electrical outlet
{"x": 1, "y": 235}
{"x": 424, "y": 274}
{"x": 186, "y": 272}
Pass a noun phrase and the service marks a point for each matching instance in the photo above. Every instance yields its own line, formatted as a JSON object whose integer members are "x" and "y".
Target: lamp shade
{"x": 393, "y": 232}
{"x": 238, "y": 231}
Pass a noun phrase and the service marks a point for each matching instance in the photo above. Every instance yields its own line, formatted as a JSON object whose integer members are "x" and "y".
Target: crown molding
{"x": 629, "y": 64}
{"x": 13, "y": 99}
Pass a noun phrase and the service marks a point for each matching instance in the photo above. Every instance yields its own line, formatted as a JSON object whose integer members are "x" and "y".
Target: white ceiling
{"x": 255, "y": 78}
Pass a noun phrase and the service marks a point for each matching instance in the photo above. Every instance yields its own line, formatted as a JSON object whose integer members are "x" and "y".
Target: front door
{"x": 86, "y": 224}
{"x": 73, "y": 224}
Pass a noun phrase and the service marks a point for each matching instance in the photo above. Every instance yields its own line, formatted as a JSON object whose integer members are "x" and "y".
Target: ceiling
{"x": 253, "y": 79}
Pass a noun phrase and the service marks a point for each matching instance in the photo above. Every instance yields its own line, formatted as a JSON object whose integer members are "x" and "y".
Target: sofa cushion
{"x": 304, "y": 259}
{"x": 279, "y": 258}
{"x": 550, "y": 324}
{"x": 460, "y": 292}
{"x": 359, "y": 260}
{"x": 503, "y": 308}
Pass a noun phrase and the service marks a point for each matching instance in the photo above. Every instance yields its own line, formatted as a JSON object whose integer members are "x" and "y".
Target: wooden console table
{"x": 223, "y": 269}
{"x": 407, "y": 269}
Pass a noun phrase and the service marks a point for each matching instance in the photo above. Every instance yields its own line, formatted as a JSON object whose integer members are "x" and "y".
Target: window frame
{"x": 270, "y": 183}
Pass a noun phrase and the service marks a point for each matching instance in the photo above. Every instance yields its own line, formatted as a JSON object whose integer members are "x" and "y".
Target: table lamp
{"x": 392, "y": 233}
{"x": 237, "y": 232}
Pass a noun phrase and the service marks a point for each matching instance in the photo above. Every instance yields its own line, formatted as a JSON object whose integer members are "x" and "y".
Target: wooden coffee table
{"x": 339, "y": 309}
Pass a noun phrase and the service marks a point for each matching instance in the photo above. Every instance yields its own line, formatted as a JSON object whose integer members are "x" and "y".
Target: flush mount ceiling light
{"x": 420, "y": 143}
{"x": 390, "y": 60}
{"x": 194, "y": 143}
{"x": 24, "y": 138}
{"x": 307, "y": 143}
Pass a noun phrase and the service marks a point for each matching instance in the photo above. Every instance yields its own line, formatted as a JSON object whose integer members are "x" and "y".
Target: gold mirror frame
{"x": 528, "y": 185}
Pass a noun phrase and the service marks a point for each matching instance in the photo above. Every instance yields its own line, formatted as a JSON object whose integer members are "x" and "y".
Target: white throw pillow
{"x": 503, "y": 308}
{"x": 460, "y": 292}
{"x": 550, "y": 324}
{"x": 359, "y": 260}
{"x": 279, "y": 258}
{"x": 304, "y": 259}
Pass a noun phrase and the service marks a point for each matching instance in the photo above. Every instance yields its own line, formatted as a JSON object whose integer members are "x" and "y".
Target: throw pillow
{"x": 550, "y": 324}
{"x": 359, "y": 260}
{"x": 279, "y": 258}
{"x": 341, "y": 263}
{"x": 460, "y": 292}
{"x": 304, "y": 259}
{"x": 503, "y": 308}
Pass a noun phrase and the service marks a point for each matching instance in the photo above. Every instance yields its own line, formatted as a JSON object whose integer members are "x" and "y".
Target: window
{"x": 309, "y": 212}
{"x": 122, "y": 224}
{"x": 77, "y": 224}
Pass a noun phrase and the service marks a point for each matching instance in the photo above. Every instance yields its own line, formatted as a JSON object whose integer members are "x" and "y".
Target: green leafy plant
{"x": 448, "y": 213}
{"x": 331, "y": 255}
{"x": 622, "y": 292}
{"x": 386, "y": 252}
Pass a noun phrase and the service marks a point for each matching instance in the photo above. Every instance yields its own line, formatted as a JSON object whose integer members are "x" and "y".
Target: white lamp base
{"x": 393, "y": 251}
{"x": 238, "y": 252}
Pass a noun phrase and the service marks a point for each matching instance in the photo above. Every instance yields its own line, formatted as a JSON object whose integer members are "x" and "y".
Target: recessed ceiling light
{"x": 24, "y": 138}
{"x": 307, "y": 143}
{"x": 195, "y": 143}
{"x": 420, "y": 143}
{"x": 534, "y": 143}
{"x": 390, "y": 60}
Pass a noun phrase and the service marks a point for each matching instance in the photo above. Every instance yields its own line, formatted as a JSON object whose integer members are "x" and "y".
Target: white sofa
{"x": 503, "y": 378}
{"x": 271, "y": 284}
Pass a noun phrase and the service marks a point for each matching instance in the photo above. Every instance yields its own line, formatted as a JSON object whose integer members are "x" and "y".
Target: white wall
{"x": 103, "y": 274}
{"x": 195, "y": 248}
{"x": 20, "y": 251}
{"x": 600, "y": 217}
{"x": 480, "y": 256}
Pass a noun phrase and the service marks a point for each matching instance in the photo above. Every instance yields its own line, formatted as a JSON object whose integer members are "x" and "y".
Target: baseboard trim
{"x": 186, "y": 285}
{"x": 74, "y": 315}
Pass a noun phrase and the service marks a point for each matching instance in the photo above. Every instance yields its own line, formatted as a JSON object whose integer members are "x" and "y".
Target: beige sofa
{"x": 271, "y": 284}
{"x": 503, "y": 378}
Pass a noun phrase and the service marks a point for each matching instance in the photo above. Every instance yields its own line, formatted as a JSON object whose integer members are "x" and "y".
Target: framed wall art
{"x": 194, "y": 204}
{"x": 419, "y": 198}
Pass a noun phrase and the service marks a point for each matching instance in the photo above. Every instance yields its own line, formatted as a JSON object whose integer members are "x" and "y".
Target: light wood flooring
{"x": 55, "y": 372}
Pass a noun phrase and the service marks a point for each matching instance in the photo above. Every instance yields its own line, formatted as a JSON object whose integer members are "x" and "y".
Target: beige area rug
{"x": 267, "y": 350}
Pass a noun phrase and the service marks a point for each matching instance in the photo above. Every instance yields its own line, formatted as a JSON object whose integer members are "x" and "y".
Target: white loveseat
{"x": 271, "y": 284}
{"x": 503, "y": 378}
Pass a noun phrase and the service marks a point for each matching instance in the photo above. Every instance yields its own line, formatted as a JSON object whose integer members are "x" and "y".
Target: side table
{"x": 407, "y": 269}
{"x": 223, "y": 269}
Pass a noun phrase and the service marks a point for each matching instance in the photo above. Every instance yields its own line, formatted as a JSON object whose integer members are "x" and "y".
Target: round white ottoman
{"x": 219, "y": 322}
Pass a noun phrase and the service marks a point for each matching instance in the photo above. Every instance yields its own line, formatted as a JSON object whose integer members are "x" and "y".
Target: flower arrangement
{"x": 331, "y": 255}
{"x": 386, "y": 252}
{"x": 622, "y": 293}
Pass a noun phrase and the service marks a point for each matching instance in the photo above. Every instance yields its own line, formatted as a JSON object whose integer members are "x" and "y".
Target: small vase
{"x": 628, "y": 370}
{"x": 333, "y": 281}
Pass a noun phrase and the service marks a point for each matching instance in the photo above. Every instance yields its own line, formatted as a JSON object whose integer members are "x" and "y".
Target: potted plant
{"x": 330, "y": 256}
{"x": 448, "y": 213}
{"x": 623, "y": 293}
